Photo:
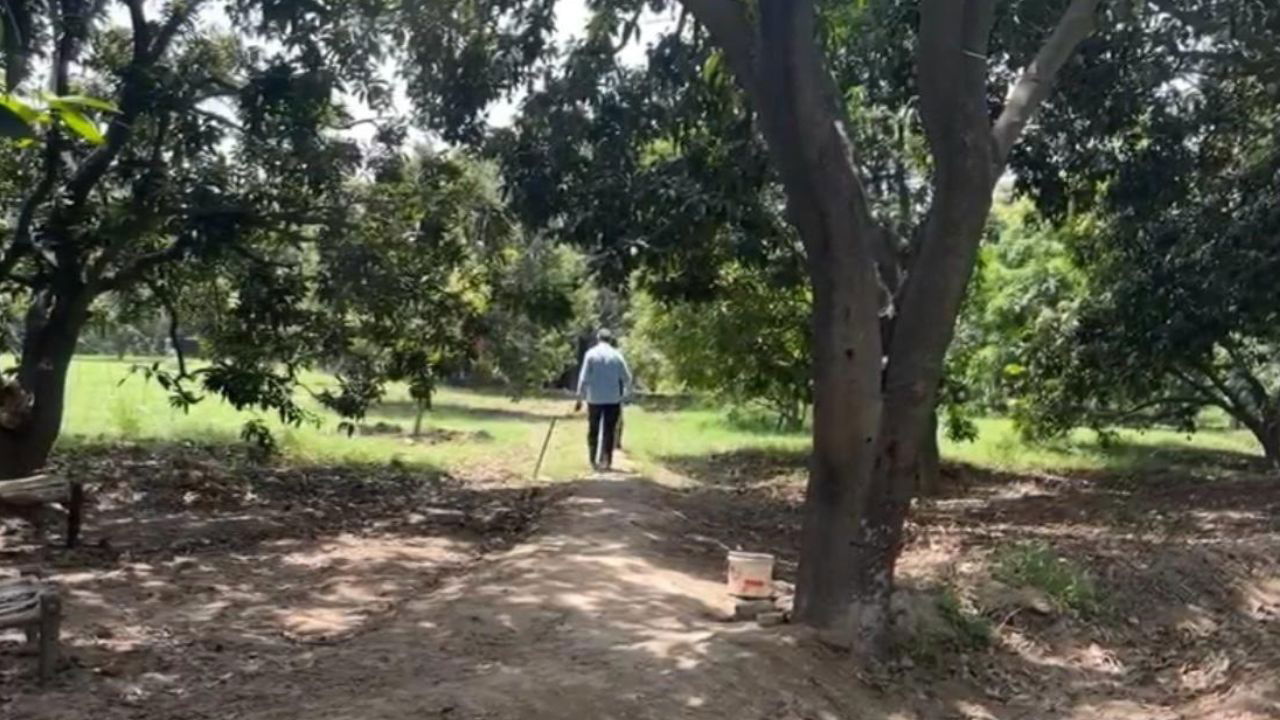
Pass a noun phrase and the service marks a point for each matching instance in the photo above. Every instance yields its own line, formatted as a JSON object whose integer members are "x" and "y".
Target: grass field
{"x": 107, "y": 403}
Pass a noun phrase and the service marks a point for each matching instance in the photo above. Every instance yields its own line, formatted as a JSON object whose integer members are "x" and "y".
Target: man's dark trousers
{"x": 598, "y": 415}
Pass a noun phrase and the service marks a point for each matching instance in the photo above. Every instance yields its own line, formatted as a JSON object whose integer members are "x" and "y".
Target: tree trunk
{"x": 846, "y": 420}
{"x": 1268, "y": 434}
{"x": 423, "y": 407}
{"x": 929, "y": 304}
{"x": 929, "y": 471}
{"x": 417, "y": 420}
{"x": 52, "y": 329}
{"x": 802, "y": 119}
{"x": 869, "y": 416}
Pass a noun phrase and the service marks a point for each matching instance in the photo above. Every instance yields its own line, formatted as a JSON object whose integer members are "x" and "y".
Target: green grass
{"x": 106, "y": 402}
{"x": 1035, "y": 564}
{"x": 999, "y": 447}
{"x": 972, "y": 630}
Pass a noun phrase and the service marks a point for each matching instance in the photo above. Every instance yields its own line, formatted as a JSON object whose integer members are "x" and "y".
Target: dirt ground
{"x": 213, "y": 587}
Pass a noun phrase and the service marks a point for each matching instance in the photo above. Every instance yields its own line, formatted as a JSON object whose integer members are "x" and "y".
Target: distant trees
{"x": 225, "y": 197}
{"x": 749, "y": 345}
{"x": 1024, "y": 298}
{"x": 541, "y": 304}
{"x": 213, "y": 153}
{"x": 1177, "y": 167}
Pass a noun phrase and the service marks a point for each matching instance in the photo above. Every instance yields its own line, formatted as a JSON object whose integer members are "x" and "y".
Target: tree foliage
{"x": 1180, "y": 164}
{"x": 749, "y": 345}
{"x": 226, "y": 195}
{"x": 1027, "y": 289}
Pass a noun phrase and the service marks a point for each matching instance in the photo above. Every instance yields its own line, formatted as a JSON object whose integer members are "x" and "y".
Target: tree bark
{"x": 1268, "y": 433}
{"x": 846, "y": 419}
{"x": 53, "y": 326}
{"x": 929, "y": 472}
{"x": 802, "y": 120}
{"x": 872, "y": 407}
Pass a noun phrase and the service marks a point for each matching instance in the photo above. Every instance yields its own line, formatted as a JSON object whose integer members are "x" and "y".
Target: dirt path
{"x": 398, "y": 607}
{"x": 588, "y": 619}
{"x": 596, "y": 615}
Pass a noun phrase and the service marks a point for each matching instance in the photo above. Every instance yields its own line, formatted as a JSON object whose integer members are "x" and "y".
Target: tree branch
{"x": 143, "y": 215}
{"x": 1261, "y": 398}
{"x": 1216, "y": 392}
{"x": 1033, "y": 86}
{"x": 952, "y": 69}
{"x": 65, "y": 47}
{"x": 141, "y": 30}
{"x": 733, "y": 31}
{"x": 248, "y": 254}
{"x": 184, "y": 12}
{"x": 220, "y": 119}
{"x": 134, "y": 101}
{"x": 22, "y": 244}
{"x": 1172, "y": 401}
{"x": 144, "y": 264}
{"x": 357, "y": 123}
{"x": 139, "y": 269}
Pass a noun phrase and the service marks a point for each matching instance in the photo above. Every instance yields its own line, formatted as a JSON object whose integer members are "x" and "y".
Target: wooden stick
{"x": 75, "y": 513}
{"x": 545, "y": 442}
{"x": 50, "y": 628}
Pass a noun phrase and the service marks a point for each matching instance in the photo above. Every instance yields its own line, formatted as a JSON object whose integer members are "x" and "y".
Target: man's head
{"x": 605, "y": 335}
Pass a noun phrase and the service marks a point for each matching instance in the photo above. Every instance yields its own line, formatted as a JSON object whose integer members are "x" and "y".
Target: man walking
{"x": 605, "y": 381}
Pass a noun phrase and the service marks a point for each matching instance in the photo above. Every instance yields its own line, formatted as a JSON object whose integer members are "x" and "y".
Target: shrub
{"x": 1035, "y": 564}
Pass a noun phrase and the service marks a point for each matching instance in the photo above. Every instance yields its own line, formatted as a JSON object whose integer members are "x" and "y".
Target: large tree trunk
{"x": 846, "y": 420}
{"x": 870, "y": 418}
{"x": 801, "y": 118}
{"x": 953, "y": 39}
{"x": 1268, "y": 434}
{"x": 1264, "y": 423}
{"x": 52, "y": 329}
{"x": 912, "y": 375}
{"x": 929, "y": 472}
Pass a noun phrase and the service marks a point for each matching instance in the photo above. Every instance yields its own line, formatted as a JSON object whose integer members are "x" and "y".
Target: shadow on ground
{"x": 446, "y": 411}
{"x": 1184, "y": 551}
{"x": 228, "y": 589}
{"x": 1126, "y": 454}
{"x": 213, "y": 587}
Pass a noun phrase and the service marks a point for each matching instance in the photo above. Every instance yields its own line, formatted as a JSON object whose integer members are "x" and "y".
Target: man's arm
{"x": 626, "y": 377}
{"x": 584, "y": 375}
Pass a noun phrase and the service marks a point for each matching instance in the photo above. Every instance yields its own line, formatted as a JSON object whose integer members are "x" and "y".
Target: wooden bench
{"x": 28, "y": 498}
{"x": 36, "y": 608}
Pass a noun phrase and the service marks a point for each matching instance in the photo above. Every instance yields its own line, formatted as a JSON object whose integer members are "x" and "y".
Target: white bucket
{"x": 750, "y": 575}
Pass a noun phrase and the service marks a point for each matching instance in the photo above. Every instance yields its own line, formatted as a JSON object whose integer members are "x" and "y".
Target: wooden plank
{"x": 35, "y": 490}
{"x": 20, "y": 603}
{"x": 21, "y": 619}
{"x": 35, "y": 481}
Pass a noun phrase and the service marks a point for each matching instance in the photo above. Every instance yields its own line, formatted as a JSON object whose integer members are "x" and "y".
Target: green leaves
{"x": 16, "y": 118}
{"x": 81, "y": 125}
{"x": 28, "y": 114}
{"x": 70, "y": 110}
{"x": 82, "y": 101}
{"x": 19, "y": 120}
{"x": 13, "y": 126}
